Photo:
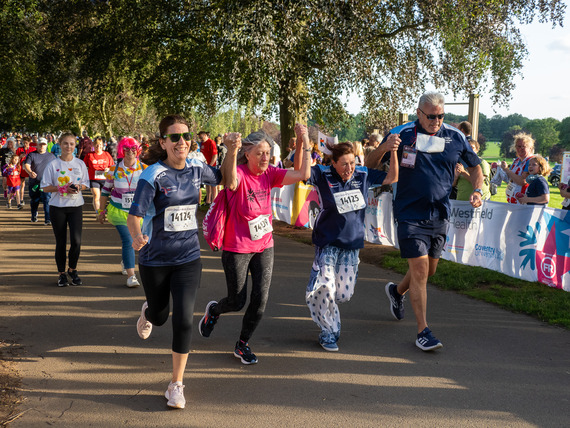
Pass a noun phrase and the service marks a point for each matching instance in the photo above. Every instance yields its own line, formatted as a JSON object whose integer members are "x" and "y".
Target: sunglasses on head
{"x": 433, "y": 116}
{"x": 176, "y": 137}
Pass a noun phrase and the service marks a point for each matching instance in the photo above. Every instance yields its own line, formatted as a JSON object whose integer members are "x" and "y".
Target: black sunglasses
{"x": 176, "y": 137}
{"x": 433, "y": 116}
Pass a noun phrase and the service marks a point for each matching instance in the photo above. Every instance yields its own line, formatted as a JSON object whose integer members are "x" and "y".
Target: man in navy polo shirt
{"x": 428, "y": 152}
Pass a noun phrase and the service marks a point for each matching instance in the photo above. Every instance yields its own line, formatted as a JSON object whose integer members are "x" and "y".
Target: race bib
{"x": 259, "y": 227}
{"x": 127, "y": 200}
{"x": 180, "y": 218}
{"x": 349, "y": 200}
{"x": 512, "y": 188}
{"x": 99, "y": 175}
{"x": 430, "y": 143}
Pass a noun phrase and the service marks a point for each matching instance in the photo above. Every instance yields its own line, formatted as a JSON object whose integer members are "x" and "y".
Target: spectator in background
{"x": 6, "y": 154}
{"x": 35, "y": 164}
{"x": 85, "y": 146}
{"x": 210, "y": 152}
{"x": 112, "y": 148}
{"x": 275, "y": 158}
{"x": 358, "y": 153}
{"x": 194, "y": 153}
{"x": 49, "y": 139}
{"x": 222, "y": 150}
{"x": 466, "y": 128}
{"x": 12, "y": 171}
{"x": 22, "y": 152}
{"x": 565, "y": 193}
{"x": 537, "y": 192}
{"x": 463, "y": 178}
{"x": 373, "y": 142}
{"x": 518, "y": 171}
{"x": 288, "y": 162}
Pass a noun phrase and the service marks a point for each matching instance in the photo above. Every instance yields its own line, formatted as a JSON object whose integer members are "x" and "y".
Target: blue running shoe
{"x": 396, "y": 301}
{"x": 243, "y": 352}
{"x": 427, "y": 341}
{"x": 328, "y": 341}
{"x": 208, "y": 321}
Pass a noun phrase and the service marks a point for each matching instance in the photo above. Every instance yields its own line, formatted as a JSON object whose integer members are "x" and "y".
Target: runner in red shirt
{"x": 98, "y": 163}
{"x": 210, "y": 152}
{"x": 23, "y": 152}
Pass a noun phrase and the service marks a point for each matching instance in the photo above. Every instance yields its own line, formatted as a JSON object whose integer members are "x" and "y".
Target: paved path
{"x": 84, "y": 365}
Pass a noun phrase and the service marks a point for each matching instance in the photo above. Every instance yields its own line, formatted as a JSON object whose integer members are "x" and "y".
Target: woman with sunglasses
{"x": 167, "y": 197}
{"x": 119, "y": 186}
{"x": 248, "y": 238}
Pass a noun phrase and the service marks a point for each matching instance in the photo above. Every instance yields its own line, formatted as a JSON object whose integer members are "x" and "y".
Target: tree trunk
{"x": 292, "y": 108}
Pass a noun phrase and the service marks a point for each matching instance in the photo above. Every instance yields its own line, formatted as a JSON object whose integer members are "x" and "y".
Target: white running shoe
{"x": 175, "y": 395}
{"x": 123, "y": 270}
{"x": 144, "y": 327}
{"x": 133, "y": 282}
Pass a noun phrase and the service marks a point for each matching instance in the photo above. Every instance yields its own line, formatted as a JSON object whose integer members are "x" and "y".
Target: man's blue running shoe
{"x": 396, "y": 301}
{"x": 427, "y": 341}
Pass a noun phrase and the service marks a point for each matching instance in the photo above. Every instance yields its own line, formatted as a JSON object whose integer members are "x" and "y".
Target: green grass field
{"x": 491, "y": 154}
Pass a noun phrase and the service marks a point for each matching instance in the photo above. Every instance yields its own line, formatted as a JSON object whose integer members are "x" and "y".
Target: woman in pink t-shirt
{"x": 248, "y": 242}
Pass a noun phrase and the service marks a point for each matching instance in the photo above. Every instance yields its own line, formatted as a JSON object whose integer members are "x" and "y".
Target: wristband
{"x": 478, "y": 191}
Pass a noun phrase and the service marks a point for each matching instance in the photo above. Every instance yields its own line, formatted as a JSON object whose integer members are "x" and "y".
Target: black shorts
{"x": 422, "y": 238}
{"x": 96, "y": 184}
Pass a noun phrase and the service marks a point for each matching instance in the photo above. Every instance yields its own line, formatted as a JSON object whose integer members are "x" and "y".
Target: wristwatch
{"x": 478, "y": 191}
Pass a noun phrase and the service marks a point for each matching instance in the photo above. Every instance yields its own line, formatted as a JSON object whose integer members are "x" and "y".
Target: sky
{"x": 544, "y": 89}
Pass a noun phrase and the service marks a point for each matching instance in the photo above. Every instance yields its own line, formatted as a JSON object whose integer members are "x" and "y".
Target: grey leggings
{"x": 236, "y": 267}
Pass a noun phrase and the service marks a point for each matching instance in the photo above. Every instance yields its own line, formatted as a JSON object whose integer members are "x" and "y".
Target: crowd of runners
{"x": 150, "y": 191}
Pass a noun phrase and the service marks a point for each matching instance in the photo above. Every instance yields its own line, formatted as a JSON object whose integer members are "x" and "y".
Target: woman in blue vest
{"x": 338, "y": 235}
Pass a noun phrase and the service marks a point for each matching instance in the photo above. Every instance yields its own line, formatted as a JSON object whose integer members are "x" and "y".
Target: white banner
{"x": 522, "y": 241}
{"x": 323, "y": 140}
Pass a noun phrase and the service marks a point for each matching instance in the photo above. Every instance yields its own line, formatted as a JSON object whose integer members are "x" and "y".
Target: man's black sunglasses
{"x": 176, "y": 137}
{"x": 433, "y": 116}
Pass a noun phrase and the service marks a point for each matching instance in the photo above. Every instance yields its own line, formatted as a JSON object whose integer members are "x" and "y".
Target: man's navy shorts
{"x": 422, "y": 237}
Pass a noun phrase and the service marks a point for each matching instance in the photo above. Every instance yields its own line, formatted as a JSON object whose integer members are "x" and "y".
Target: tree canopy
{"x": 295, "y": 58}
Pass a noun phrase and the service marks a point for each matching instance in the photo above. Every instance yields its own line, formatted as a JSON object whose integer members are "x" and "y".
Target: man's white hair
{"x": 431, "y": 98}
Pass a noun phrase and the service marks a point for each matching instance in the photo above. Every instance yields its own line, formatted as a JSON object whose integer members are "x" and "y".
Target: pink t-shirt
{"x": 249, "y": 203}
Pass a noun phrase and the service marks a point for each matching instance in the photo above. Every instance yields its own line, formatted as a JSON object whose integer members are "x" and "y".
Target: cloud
{"x": 562, "y": 44}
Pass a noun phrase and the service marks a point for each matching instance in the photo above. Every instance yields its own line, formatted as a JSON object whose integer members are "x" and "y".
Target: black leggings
{"x": 61, "y": 217}
{"x": 182, "y": 282}
{"x": 236, "y": 266}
